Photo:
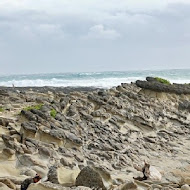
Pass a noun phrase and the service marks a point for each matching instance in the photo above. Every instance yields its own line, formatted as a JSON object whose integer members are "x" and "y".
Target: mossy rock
{"x": 53, "y": 113}
{"x": 161, "y": 80}
{"x": 34, "y": 107}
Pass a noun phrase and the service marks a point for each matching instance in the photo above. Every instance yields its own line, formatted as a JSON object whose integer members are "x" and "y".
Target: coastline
{"x": 94, "y": 79}
{"x": 58, "y": 132}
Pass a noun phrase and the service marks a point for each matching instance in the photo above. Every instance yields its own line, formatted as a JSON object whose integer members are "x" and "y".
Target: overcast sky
{"x": 39, "y": 36}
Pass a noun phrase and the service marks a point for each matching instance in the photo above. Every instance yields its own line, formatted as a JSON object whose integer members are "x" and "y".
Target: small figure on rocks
{"x": 149, "y": 173}
{"x": 145, "y": 170}
{"x": 28, "y": 181}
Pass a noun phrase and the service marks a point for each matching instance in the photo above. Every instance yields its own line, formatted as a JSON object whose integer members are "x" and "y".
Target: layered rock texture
{"x": 96, "y": 138}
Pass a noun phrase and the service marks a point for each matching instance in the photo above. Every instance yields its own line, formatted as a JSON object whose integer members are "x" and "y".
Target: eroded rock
{"x": 88, "y": 177}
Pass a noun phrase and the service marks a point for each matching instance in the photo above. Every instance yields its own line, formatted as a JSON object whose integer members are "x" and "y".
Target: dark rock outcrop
{"x": 154, "y": 85}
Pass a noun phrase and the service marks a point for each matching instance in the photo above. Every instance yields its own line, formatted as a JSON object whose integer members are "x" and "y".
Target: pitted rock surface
{"x": 112, "y": 129}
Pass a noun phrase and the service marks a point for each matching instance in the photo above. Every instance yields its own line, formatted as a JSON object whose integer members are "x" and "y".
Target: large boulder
{"x": 88, "y": 177}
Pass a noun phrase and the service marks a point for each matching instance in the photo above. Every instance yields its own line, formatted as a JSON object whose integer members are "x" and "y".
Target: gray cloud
{"x": 61, "y": 36}
{"x": 100, "y": 32}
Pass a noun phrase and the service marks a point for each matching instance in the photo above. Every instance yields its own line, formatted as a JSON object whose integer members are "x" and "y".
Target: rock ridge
{"x": 152, "y": 84}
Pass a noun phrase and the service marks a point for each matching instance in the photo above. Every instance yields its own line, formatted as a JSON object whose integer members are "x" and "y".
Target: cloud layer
{"x": 80, "y": 35}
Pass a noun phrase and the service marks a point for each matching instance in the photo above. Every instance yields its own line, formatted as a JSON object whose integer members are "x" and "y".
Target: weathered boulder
{"x": 88, "y": 177}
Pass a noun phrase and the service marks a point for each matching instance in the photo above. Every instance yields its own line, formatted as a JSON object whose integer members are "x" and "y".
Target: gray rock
{"x": 66, "y": 162}
{"x": 39, "y": 113}
{"x": 8, "y": 141}
{"x": 45, "y": 151}
{"x": 29, "y": 115}
{"x": 88, "y": 177}
{"x": 74, "y": 138}
{"x": 28, "y": 126}
{"x": 52, "y": 175}
{"x": 185, "y": 105}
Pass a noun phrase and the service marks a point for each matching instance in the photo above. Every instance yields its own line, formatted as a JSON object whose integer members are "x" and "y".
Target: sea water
{"x": 92, "y": 79}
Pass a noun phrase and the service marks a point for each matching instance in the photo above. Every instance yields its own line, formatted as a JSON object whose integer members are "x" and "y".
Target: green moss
{"x": 164, "y": 81}
{"x": 53, "y": 113}
{"x": 35, "y": 107}
{"x": 1, "y": 109}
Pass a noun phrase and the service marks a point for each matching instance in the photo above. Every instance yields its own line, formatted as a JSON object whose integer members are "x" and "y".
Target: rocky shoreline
{"x": 77, "y": 137}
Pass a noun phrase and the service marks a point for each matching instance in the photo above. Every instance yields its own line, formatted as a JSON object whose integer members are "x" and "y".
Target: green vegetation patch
{"x": 164, "y": 81}
{"x": 1, "y": 109}
{"x": 53, "y": 113}
{"x": 35, "y": 107}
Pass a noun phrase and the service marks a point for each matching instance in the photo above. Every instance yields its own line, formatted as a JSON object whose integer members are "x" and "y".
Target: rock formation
{"x": 67, "y": 134}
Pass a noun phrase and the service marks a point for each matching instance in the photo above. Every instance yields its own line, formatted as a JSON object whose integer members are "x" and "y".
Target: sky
{"x": 47, "y": 36}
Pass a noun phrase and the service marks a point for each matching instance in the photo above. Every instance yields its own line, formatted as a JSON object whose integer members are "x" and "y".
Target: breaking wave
{"x": 92, "y": 79}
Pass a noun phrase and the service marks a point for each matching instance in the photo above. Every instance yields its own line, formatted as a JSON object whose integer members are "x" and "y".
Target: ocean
{"x": 92, "y": 79}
